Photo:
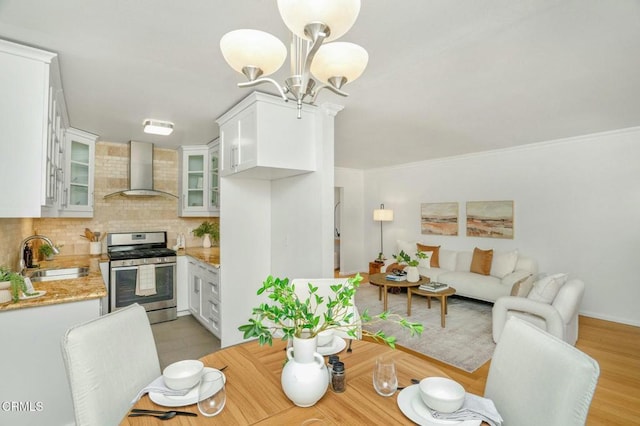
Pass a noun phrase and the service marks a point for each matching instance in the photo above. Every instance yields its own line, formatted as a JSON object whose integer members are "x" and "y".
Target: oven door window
{"x": 124, "y": 287}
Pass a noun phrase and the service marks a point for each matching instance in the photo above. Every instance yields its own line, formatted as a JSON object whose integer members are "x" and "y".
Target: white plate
{"x": 33, "y": 295}
{"x": 337, "y": 345}
{"x": 412, "y": 406}
{"x": 180, "y": 401}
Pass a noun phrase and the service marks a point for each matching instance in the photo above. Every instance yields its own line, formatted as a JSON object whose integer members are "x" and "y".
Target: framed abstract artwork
{"x": 439, "y": 218}
{"x": 492, "y": 219}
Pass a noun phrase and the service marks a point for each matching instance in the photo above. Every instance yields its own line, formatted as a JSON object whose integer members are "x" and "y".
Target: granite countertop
{"x": 206, "y": 255}
{"x": 64, "y": 291}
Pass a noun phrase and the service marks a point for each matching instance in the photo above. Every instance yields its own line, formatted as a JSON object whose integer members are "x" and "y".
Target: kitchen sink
{"x": 59, "y": 274}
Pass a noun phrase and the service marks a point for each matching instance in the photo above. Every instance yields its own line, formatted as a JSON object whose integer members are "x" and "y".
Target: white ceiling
{"x": 445, "y": 77}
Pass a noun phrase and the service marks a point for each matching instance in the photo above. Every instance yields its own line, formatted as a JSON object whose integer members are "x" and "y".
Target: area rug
{"x": 466, "y": 342}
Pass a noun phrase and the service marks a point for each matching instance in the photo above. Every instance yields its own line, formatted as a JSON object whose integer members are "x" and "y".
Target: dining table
{"x": 255, "y": 395}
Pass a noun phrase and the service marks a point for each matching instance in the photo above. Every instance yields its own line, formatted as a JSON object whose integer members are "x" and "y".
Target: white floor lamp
{"x": 382, "y": 215}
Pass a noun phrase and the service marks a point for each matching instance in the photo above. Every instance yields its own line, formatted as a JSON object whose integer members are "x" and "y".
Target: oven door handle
{"x": 123, "y": 268}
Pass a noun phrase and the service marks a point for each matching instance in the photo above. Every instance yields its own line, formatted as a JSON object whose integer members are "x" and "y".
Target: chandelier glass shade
{"x": 257, "y": 54}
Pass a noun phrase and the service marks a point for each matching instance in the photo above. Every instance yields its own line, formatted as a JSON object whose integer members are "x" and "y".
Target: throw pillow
{"x": 504, "y": 263}
{"x": 426, "y": 262}
{"x": 435, "y": 258}
{"x": 546, "y": 289}
{"x": 481, "y": 261}
{"x": 522, "y": 287}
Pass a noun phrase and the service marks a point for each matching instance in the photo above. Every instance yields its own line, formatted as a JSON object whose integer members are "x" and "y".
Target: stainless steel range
{"x": 142, "y": 270}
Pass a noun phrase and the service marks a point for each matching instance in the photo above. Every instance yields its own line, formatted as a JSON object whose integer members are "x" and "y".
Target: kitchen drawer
{"x": 213, "y": 315}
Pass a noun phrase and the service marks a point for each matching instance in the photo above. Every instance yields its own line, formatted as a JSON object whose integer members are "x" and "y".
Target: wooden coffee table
{"x": 442, "y": 295}
{"x": 384, "y": 285}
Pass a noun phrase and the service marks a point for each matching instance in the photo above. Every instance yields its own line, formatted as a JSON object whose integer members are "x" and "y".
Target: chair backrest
{"x": 567, "y": 301}
{"x": 108, "y": 360}
{"x": 537, "y": 379}
{"x": 324, "y": 290}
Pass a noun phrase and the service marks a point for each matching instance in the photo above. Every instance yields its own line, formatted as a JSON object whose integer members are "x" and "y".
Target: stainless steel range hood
{"x": 140, "y": 172}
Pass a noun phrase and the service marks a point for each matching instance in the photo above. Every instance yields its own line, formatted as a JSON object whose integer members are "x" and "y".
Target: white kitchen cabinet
{"x": 78, "y": 179}
{"x": 196, "y": 181}
{"x": 33, "y": 119}
{"x": 262, "y": 138}
{"x": 204, "y": 294}
{"x": 214, "y": 175}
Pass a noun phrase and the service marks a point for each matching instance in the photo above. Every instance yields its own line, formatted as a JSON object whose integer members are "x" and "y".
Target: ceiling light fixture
{"x": 257, "y": 54}
{"x": 157, "y": 127}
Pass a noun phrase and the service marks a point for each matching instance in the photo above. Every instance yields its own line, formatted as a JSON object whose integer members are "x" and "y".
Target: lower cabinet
{"x": 204, "y": 294}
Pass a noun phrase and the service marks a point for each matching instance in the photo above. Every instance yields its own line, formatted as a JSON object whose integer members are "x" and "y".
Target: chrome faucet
{"x": 21, "y": 264}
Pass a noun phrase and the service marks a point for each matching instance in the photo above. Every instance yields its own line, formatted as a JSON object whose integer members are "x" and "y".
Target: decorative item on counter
{"x": 27, "y": 256}
{"x": 338, "y": 377}
{"x": 209, "y": 231}
{"x": 330, "y": 361}
{"x": 15, "y": 287}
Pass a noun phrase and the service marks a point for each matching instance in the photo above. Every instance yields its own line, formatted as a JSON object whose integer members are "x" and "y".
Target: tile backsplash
{"x": 115, "y": 214}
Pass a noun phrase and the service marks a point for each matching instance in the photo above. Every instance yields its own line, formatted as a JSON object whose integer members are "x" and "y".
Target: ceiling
{"x": 445, "y": 77}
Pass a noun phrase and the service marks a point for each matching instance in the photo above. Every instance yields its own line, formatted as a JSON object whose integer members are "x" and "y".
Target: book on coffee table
{"x": 391, "y": 277}
{"x": 434, "y": 286}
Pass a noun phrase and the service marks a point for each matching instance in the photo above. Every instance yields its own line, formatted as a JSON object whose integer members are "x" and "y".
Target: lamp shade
{"x": 339, "y": 59}
{"x": 242, "y": 48}
{"x": 338, "y": 15}
{"x": 383, "y": 215}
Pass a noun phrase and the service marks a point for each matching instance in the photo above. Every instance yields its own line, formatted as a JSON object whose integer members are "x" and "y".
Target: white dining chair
{"x": 537, "y": 379}
{"x": 324, "y": 290}
{"x": 108, "y": 360}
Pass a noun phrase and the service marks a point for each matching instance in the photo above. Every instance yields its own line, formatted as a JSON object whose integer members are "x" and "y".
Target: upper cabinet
{"x": 33, "y": 128}
{"x": 199, "y": 193}
{"x": 262, "y": 138}
{"x": 77, "y": 199}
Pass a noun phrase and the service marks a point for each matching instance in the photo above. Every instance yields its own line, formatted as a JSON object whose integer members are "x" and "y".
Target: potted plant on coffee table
{"x": 210, "y": 231}
{"x": 413, "y": 276}
{"x": 298, "y": 319}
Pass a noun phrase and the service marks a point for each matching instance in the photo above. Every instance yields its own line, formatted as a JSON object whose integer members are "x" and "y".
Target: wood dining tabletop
{"x": 255, "y": 396}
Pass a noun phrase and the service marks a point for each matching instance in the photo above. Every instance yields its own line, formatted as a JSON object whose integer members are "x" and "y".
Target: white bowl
{"x": 183, "y": 374}
{"x": 441, "y": 394}
{"x": 325, "y": 337}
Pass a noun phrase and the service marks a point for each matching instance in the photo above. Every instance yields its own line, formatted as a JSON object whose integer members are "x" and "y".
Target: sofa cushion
{"x": 448, "y": 259}
{"x": 434, "y": 274}
{"x": 435, "y": 259}
{"x": 481, "y": 287}
{"x": 426, "y": 262}
{"x": 522, "y": 287}
{"x": 463, "y": 261}
{"x": 481, "y": 261}
{"x": 546, "y": 289}
{"x": 504, "y": 263}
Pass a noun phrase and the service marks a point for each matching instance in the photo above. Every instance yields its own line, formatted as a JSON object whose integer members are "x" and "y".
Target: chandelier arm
{"x": 264, "y": 80}
{"x": 327, "y": 86}
{"x": 311, "y": 53}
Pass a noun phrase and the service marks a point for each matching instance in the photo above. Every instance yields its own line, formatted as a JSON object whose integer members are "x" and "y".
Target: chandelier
{"x": 313, "y": 24}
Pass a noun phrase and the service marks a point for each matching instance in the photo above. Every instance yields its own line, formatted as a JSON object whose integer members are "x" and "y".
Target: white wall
{"x": 352, "y": 256}
{"x": 576, "y": 202}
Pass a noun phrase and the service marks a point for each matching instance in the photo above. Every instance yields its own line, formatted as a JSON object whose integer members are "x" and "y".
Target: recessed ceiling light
{"x": 157, "y": 127}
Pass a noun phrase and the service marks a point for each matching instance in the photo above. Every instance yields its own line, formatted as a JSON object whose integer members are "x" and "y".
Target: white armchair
{"x": 560, "y": 317}
{"x": 324, "y": 290}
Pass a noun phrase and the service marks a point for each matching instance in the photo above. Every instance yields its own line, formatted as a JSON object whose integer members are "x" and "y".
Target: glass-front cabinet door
{"x": 77, "y": 200}
{"x": 199, "y": 193}
{"x": 214, "y": 176}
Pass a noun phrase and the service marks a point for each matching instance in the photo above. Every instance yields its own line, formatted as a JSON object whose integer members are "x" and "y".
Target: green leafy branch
{"x": 405, "y": 258}
{"x": 300, "y": 318}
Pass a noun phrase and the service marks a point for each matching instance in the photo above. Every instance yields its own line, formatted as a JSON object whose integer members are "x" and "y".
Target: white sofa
{"x": 507, "y": 270}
